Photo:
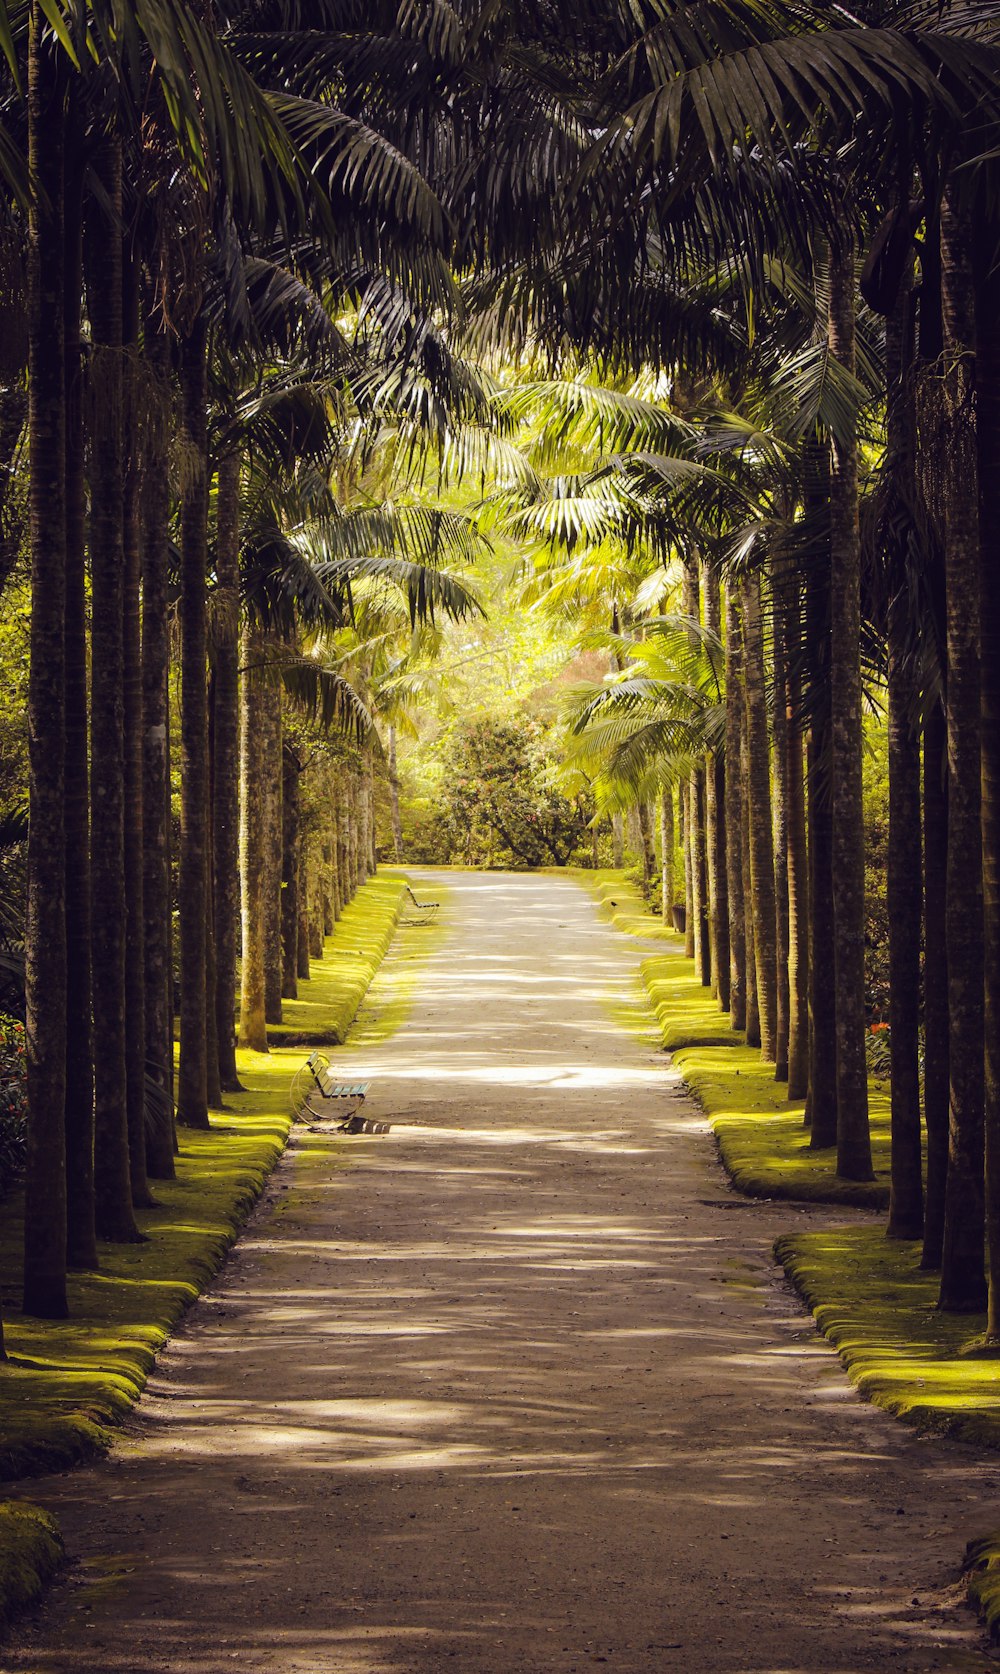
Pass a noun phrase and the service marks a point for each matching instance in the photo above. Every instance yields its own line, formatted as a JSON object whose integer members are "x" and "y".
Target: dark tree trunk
{"x": 822, "y": 1106}
{"x": 135, "y": 952}
{"x": 904, "y": 892}
{"x": 689, "y": 932}
{"x": 988, "y": 433}
{"x": 963, "y": 1279}
{"x": 735, "y": 905}
{"x": 291, "y": 767}
{"x": 81, "y": 1226}
{"x": 667, "y": 841}
{"x": 213, "y": 1079}
{"x": 648, "y": 849}
{"x": 226, "y": 721}
{"x": 854, "y": 1156}
{"x": 759, "y": 807}
{"x": 112, "y": 1170}
{"x": 936, "y": 1077}
{"x": 797, "y": 849}
{"x": 715, "y": 827}
{"x": 780, "y": 817}
{"x": 302, "y": 937}
{"x": 254, "y": 767}
{"x": 45, "y": 928}
{"x": 749, "y": 936}
{"x": 270, "y": 749}
{"x": 156, "y": 889}
{"x": 192, "y": 888}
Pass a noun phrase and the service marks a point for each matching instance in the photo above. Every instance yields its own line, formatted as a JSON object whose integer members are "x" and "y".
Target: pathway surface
{"x": 514, "y": 1388}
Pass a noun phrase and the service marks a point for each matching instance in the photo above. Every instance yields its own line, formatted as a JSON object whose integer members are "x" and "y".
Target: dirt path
{"x": 514, "y": 1388}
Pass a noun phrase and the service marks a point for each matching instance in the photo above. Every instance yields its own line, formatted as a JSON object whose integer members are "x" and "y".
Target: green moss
{"x": 762, "y": 1141}
{"x": 389, "y": 1003}
{"x": 68, "y": 1382}
{"x": 30, "y": 1553}
{"x": 328, "y": 1002}
{"x": 982, "y": 1580}
{"x": 871, "y": 1299}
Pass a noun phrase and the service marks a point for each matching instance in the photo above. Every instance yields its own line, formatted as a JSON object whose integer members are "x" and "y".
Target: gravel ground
{"x": 515, "y": 1386}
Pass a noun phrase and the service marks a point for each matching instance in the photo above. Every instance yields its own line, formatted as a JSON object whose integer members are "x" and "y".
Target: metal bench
{"x": 316, "y": 1093}
{"x": 427, "y": 909}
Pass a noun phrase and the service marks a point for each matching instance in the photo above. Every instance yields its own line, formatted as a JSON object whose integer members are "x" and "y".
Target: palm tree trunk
{"x": 397, "y": 823}
{"x": 135, "y": 951}
{"x": 797, "y": 862}
{"x": 936, "y": 1076}
{"x": 80, "y": 1204}
{"x": 271, "y": 751}
{"x": 734, "y": 905}
{"x": 648, "y": 847}
{"x": 854, "y": 1156}
{"x": 963, "y": 1280}
{"x": 780, "y": 827}
{"x": 254, "y": 770}
{"x": 115, "y": 1219}
{"x": 988, "y": 435}
{"x": 290, "y": 873}
{"x": 904, "y": 892}
{"x": 759, "y": 803}
{"x": 156, "y": 884}
{"x": 226, "y": 791}
{"x": 688, "y": 870}
{"x": 749, "y": 935}
{"x": 45, "y": 928}
{"x": 715, "y": 826}
{"x": 213, "y": 1079}
{"x": 667, "y": 844}
{"x": 192, "y": 888}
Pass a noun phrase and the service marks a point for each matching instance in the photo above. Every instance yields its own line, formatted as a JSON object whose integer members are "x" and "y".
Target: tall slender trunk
{"x": 903, "y": 880}
{"x": 689, "y": 944}
{"x": 936, "y": 1077}
{"x": 254, "y": 768}
{"x": 988, "y": 435}
{"x": 81, "y": 1226}
{"x": 135, "y": 951}
{"x": 290, "y": 769}
{"x": 226, "y": 792}
{"x": 156, "y": 884}
{"x": 397, "y": 823}
{"x": 192, "y": 887}
{"x": 213, "y": 1079}
{"x": 734, "y": 905}
{"x": 271, "y": 748}
{"x": 749, "y": 932}
{"x": 617, "y": 842}
{"x": 822, "y": 1106}
{"x": 648, "y": 849}
{"x": 115, "y": 1218}
{"x": 759, "y": 806}
{"x": 796, "y": 851}
{"x": 45, "y": 928}
{"x": 667, "y": 843}
{"x": 779, "y": 804}
{"x": 963, "y": 1280}
{"x": 302, "y": 928}
{"x": 854, "y": 1155}
{"x": 715, "y": 825}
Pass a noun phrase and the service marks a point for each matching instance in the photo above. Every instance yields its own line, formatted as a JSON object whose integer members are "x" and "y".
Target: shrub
{"x": 13, "y": 1102}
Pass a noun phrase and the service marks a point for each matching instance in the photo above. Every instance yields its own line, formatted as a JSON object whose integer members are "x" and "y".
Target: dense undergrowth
{"x": 68, "y": 1383}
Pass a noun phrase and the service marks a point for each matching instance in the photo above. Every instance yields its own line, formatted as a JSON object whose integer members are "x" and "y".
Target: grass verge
{"x": 67, "y": 1383}
{"x": 328, "y": 1001}
{"x": 981, "y": 1569}
{"x": 31, "y": 1551}
{"x": 870, "y": 1298}
{"x": 762, "y": 1141}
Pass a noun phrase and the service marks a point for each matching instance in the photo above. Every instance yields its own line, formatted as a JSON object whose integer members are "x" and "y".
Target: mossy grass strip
{"x": 67, "y": 1383}
{"x": 981, "y": 1569}
{"x": 763, "y": 1143}
{"x": 870, "y": 1297}
{"x": 31, "y": 1551}
{"x": 328, "y": 1001}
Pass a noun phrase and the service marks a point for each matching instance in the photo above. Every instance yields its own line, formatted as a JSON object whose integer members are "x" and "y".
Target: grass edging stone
{"x": 877, "y": 1306}
{"x": 68, "y": 1383}
{"x": 329, "y": 999}
{"x": 31, "y": 1550}
{"x": 981, "y": 1569}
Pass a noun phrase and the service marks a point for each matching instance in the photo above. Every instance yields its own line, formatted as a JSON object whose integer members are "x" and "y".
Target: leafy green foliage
{"x": 504, "y": 803}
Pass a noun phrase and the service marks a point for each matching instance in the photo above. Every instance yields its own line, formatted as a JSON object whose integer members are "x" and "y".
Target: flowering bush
{"x": 13, "y": 1102}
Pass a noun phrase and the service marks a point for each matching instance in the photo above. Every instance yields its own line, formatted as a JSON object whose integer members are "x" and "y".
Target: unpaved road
{"x": 514, "y": 1388}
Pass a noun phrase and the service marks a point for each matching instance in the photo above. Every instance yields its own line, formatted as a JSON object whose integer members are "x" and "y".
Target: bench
{"x": 427, "y": 909}
{"x": 316, "y": 1092}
